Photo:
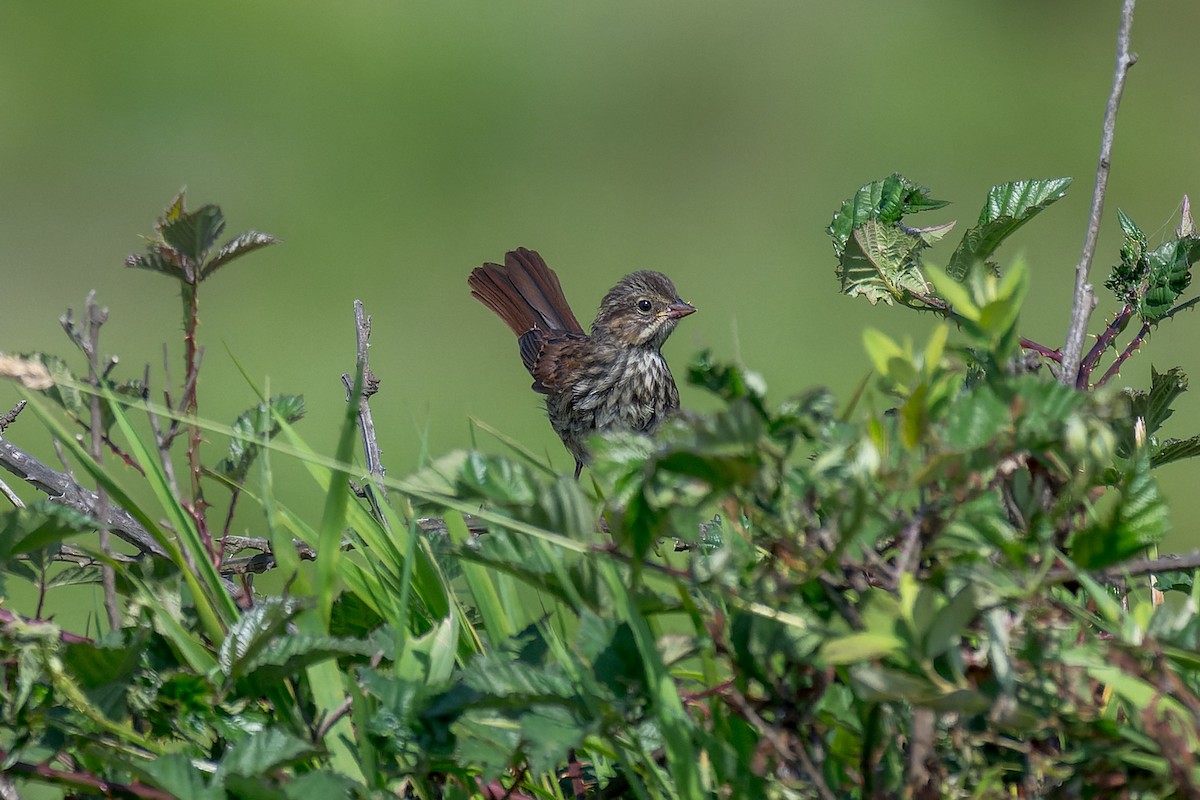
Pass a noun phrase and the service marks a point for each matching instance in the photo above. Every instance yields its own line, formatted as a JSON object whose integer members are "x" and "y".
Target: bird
{"x": 613, "y": 378}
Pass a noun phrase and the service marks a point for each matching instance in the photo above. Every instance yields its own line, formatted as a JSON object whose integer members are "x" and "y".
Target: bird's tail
{"x": 525, "y": 293}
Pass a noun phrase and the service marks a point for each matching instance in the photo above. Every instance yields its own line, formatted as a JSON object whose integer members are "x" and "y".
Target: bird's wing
{"x": 543, "y": 355}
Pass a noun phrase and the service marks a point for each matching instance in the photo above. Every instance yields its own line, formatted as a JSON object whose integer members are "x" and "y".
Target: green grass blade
{"x": 213, "y": 604}
{"x": 668, "y": 706}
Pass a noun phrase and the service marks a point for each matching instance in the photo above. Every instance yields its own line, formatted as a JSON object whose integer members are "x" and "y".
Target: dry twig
{"x": 1085, "y": 300}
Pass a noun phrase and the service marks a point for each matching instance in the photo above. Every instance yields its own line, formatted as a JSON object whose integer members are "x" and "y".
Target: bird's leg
{"x": 578, "y": 468}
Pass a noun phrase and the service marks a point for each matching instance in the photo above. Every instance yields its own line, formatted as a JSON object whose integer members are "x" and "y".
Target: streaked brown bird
{"x": 614, "y": 378}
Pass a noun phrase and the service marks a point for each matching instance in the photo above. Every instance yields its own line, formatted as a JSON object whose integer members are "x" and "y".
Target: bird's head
{"x": 640, "y": 311}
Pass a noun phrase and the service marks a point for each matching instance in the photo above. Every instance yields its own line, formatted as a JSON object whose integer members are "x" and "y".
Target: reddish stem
{"x": 1041, "y": 349}
{"x": 1103, "y": 342}
{"x": 1129, "y": 350}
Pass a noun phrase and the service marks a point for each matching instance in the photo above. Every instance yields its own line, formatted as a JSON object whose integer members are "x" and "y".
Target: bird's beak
{"x": 678, "y": 310}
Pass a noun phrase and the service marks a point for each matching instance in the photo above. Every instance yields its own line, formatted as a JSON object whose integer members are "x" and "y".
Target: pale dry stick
{"x": 366, "y": 423}
{"x": 1084, "y": 299}
{"x": 7, "y": 491}
{"x": 89, "y": 341}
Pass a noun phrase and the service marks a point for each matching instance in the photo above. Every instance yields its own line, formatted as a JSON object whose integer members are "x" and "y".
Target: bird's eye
{"x": 644, "y": 305}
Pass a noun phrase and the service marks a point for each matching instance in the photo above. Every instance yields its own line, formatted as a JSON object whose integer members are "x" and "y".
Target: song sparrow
{"x": 616, "y": 378}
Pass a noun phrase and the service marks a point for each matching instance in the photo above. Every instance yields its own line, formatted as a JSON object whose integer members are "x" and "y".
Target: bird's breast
{"x": 634, "y": 391}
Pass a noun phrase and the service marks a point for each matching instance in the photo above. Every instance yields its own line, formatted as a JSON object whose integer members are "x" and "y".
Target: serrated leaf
{"x": 1175, "y": 450}
{"x": 25, "y": 530}
{"x": 249, "y": 429}
{"x": 63, "y": 390}
{"x": 510, "y": 682}
{"x": 975, "y": 417}
{"x": 253, "y": 632}
{"x": 1007, "y": 208}
{"x": 498, "y": 479}
{"x": 880, "y": 263}
{"x": 887, "y": 200}
{"x": 1138, "y": 520}
{"x": 1133, "y": 244}
{"x": 286, "y": 656}
{"x": 1152, "y": 280}
{"x": 1168, "y": 273}
{"x": 76, "y": 576}
{"x": 94, "y": 664}
{"x": 263, "y": 751}
{"x": 236, "y": 247}
{"x": 155, "y": 260}
{"x": 1154, "y": 406}
{"x": 322, "y": 784}
{"x": 548, "y": 731}
{"x": 175, "y": 774}
{"x": 193, "y": 233}
{"x": 173, "y": 211}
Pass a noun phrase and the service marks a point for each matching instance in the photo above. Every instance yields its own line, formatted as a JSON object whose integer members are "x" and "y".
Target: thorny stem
{"x": 1129, "y": 350}
{"x": 1103, "y": 342}
{"x": 1084, "y": 299}
{"x": 189, "y": 406}
{"x": 1041, "y": 349}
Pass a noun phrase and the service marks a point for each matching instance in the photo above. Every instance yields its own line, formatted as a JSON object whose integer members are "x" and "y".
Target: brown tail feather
{"x": 525, "y": 293}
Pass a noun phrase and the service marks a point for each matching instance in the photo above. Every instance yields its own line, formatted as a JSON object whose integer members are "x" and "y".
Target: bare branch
{"x": 366, "y": 423}
{"x": 1085, "y": 301}
{"x": 61, "y": 488}
{"x": 9, "y": 417}
{"x": 89, "y": 341}
{"x": 1141, "y": 566}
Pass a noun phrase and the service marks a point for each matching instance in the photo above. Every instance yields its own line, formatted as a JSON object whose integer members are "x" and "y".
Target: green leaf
{"x": 156, "y": 259}
{"x": 548, "y": 731}
{"x": 1007, "y": 208}
{"x": 960, "y": 298}
{"x": 880, "y": 263}
{"x": 862, "y": 646}
{"x": 64, "y": 391}
{"x": 94, "y": 664}
{"x": 192, "y": 234}
{"x": 1152, "y": 280}
{"x": 175, "y": 774}
{"x": 887, "y": 200}
{"x": 1138, "y": 520}
{"x": 1154, "y": 407}
{"x": 1175, "y": 450}
{"x": 254, "y": 426}
{"x": 1168, "y": 273}
{"x": 253, "y": 632}
{"x": 975, "y": 417}
{"x": 949, "y": 626}
{"x": 498, "y": 479}
{"x": 325, "y": 785}
{"x": 514, "y": 682}
{"x": 42, "y": 524}
{"x": 727, "y": 381}
{"x": 263, "y": 751}
{"x": 284, "y": 657}
{"x": 236, "y": 247}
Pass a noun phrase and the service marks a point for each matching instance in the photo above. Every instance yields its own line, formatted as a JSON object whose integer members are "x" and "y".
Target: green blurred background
{"x": 393, "y": 146}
